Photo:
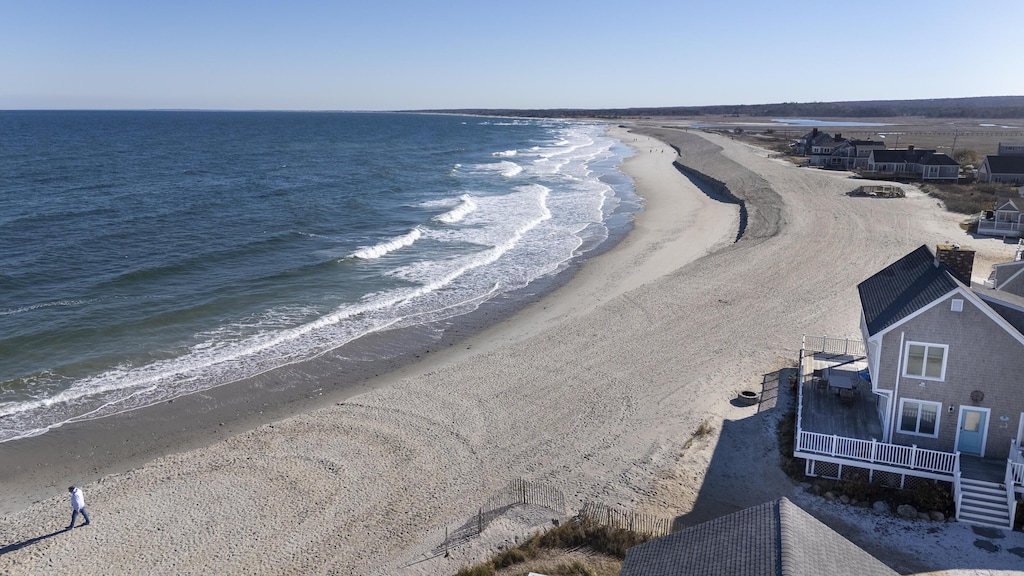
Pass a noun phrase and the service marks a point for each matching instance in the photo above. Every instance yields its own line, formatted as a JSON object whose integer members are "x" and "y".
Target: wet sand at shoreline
{"x": 595, "y": 390}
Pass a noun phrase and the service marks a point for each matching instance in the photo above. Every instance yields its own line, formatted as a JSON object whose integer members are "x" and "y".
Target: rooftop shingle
{"x": 770, "y": 539}
{"x": 902, "y": 288}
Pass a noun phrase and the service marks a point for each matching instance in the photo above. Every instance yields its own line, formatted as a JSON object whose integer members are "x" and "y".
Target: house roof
{"x": 1009, "y": 277}
{"x": 926, "y": 157}
{"x": 770, "y": 539}
{"x": 1008, "y": 305}
{"x": 902, "y": 288}
{"x": 938, "y": 159}
{"x": 1005, "y": 164}
{"x": 1007, "y": 204}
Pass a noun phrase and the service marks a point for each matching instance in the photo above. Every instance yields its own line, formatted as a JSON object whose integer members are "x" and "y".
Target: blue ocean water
{"x": 146, "y": 255}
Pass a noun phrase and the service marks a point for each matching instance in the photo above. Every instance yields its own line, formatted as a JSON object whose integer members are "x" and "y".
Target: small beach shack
{"x": 1005, "y": 220}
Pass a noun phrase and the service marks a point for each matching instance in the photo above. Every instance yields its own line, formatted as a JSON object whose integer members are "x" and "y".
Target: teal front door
{"x": 971, "y": 438}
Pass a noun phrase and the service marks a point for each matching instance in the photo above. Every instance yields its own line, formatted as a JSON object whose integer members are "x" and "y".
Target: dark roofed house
{"x": 912, "y": 164}
{"x": 939, "y": 382}
{"x": 1008, "y": 169}
{"x": 772, "y": 539}
{"x": 1011, "y": 149}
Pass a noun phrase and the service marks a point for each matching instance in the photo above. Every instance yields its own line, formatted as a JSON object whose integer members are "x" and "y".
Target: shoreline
{"x": 92, "y": 449}
{"x": 46, "y": 461}
{"x": 596, "y": 389}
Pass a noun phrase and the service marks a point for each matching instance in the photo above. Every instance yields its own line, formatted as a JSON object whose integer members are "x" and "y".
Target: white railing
{"x": 800, "y": 388}
{"x": 958, "y": 495}
{"x": 1017, "y": 473}
{"x": 841, "y": 346}
{"x": 993, "y": 225}
{"x": 1011, "y": 501}
{"x": 874, "y": 452}
{"x": 1015, "y": 465}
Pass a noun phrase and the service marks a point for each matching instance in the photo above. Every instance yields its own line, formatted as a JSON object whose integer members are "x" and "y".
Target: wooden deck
{"x": 988, "y": 469}
{"x": 825, "y": 413}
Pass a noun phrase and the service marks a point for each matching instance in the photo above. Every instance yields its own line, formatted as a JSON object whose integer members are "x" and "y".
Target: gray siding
{"x": 981, "y": 356}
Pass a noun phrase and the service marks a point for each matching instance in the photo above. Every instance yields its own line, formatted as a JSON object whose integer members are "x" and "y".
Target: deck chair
{"x": 847, "y": 396}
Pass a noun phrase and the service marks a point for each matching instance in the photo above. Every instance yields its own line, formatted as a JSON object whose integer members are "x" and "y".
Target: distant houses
{"x": 871, "y": 159}
{"x": 836, "y": 152}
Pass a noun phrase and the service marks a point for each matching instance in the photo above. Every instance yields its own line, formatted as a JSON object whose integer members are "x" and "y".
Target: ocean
{"x": 148, "y": 255}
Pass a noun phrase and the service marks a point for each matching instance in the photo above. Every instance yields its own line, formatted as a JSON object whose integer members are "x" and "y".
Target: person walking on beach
{"x": 77, "y": 505}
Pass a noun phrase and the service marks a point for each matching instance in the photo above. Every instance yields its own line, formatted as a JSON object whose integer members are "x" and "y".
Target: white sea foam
{"x": 506, "y": 153}
{"x": 466, "y": 205}
{"x": 507, "y": 237}
{"x": 378, "y": 250}
{"x": 510, "y": 169}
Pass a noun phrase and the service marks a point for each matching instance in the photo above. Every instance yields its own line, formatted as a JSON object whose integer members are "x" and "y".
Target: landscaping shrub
{"x": 932, "y": 496}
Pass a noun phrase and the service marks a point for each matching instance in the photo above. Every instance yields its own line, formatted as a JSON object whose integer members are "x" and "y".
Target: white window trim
{"x": 906, "y": 358}
{"x": 938, "y": 417}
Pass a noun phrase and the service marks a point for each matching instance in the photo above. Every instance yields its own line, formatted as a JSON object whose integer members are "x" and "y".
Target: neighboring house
{"x": 769, "y": 539}
{"x": 1011, "y": 149}
{"x": 822, "y": 149}
{"x": 1009, "y": 276}
{"x": 1006, "y": 168}
{"x": 836, "y": 152}
{"x": 1005, "y": 220}
{"x": 945, "y": 391}
{"x": 852, "y": 154}
{"x": 806, "y": 143}
{"x": 912, "y": 164}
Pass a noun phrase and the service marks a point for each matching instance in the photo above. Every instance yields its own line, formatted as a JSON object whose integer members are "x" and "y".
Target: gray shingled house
{"x": 937, "y": 388}
{"x": 1008, "y": 169}
{"x": 770, "y": 539}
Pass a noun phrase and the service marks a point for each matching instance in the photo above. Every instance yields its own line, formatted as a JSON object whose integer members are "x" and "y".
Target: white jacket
{"x": 77, "y": 499}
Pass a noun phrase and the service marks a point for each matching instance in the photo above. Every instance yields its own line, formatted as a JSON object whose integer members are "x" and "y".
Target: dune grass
{"x": 601, "y": 541}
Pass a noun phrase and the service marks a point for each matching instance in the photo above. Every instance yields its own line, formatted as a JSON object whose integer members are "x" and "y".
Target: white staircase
{"x": 983, "y": 503}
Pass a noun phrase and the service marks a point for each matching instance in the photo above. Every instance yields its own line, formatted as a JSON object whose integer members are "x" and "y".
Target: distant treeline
{"x": 978, "y": 107}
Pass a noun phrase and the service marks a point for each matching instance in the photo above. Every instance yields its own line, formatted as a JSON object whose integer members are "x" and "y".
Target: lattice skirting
{"x": 835, "y": 471}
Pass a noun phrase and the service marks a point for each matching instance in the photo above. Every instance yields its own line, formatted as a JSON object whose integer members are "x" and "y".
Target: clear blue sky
{"x": 399, "y": 54}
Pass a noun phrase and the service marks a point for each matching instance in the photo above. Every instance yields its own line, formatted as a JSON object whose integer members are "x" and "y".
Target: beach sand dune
{"x": 596, "y": 390}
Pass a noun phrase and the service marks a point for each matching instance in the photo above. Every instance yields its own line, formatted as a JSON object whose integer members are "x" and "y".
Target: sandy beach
{"x": 595, "y": 390}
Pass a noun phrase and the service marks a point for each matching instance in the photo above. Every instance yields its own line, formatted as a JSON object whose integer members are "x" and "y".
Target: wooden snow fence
{"x": 600, "y": 515}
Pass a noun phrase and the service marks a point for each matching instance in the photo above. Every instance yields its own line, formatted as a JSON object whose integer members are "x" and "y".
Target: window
{"x": 925, "y": 361}
{"x": 919, "y": 417}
